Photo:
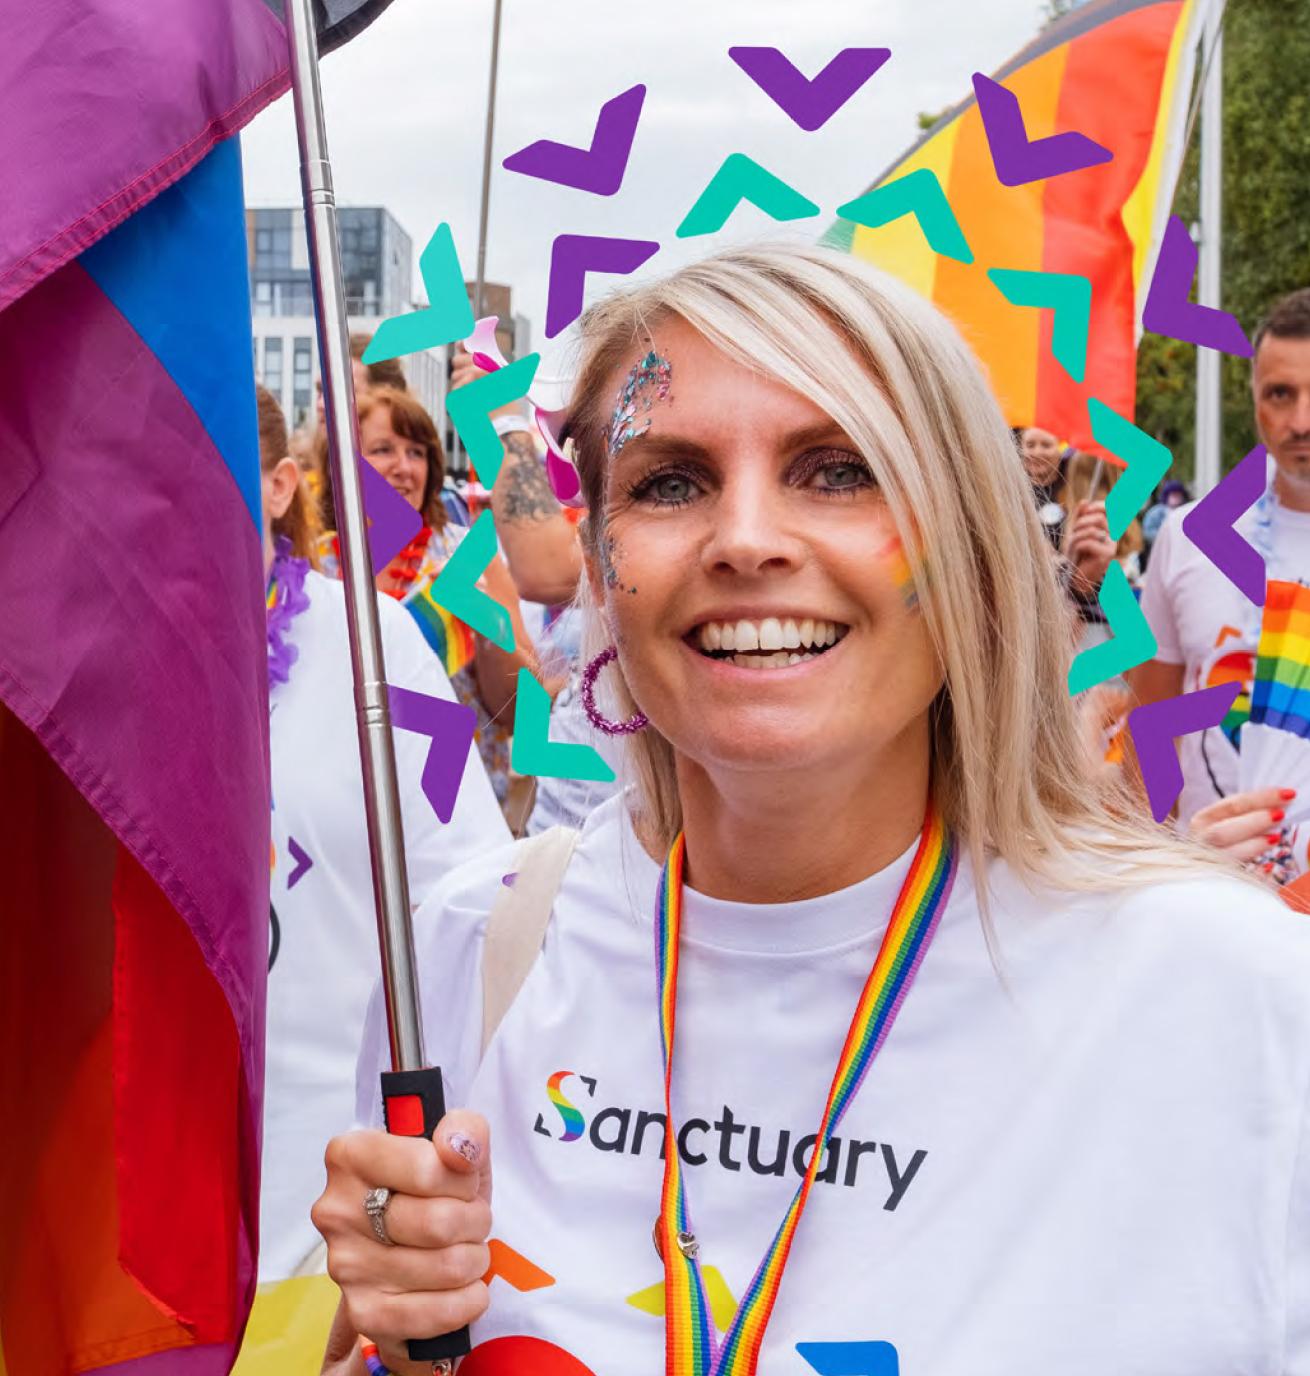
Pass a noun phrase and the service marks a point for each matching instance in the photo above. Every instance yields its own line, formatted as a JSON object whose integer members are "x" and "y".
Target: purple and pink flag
{"x": 134, "y": 811}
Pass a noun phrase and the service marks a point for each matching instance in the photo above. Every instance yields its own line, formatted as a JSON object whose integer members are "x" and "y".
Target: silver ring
{"x": 375, "y": 1206}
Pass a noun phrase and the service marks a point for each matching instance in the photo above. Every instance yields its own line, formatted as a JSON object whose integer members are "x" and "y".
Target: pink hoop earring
{"x": 637, "y": 722}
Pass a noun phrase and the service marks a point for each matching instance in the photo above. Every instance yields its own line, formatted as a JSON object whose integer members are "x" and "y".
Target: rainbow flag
{"x": 134, "y": 808}
{"x": 1280, "y": 693}
{"x": 451, "y": 639}
{"x": 1120, "y": 72}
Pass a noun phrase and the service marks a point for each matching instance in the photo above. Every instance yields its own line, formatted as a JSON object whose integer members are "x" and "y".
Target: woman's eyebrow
{"x": 663, "y": 443}
{"x": 660, "y": 443}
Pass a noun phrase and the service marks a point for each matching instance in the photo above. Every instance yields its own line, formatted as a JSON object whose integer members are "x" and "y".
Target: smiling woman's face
{"x": 751, "y": 573}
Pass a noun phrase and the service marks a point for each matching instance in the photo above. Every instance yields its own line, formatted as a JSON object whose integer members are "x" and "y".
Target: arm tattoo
{"x": 523, "y": 487}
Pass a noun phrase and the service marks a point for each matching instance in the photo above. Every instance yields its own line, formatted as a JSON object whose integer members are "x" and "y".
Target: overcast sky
{"x": 406, "y": 100}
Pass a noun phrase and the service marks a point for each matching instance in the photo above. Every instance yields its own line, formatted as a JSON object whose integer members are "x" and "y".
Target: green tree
{"x": 1266, "y": 221}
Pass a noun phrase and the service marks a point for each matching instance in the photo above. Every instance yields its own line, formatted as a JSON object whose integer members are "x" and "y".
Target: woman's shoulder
{"x": 1235, "y": 923}
{"x": 1204, "y": 927}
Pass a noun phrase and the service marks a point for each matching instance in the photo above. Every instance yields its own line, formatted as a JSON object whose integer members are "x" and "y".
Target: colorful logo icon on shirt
{"x": 574, "y": 1123}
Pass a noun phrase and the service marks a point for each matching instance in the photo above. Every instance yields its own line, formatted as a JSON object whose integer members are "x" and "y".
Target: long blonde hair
{"x": 1008, "y": 767}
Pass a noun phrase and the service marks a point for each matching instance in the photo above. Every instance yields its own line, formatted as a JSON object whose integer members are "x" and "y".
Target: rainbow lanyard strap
{"x": 691, "y": 1348}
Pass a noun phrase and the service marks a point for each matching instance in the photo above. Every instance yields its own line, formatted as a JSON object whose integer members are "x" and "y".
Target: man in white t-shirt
{"x": 1206, "y": 631}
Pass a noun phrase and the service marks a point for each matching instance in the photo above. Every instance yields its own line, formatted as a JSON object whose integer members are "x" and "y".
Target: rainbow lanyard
{"x": 691, "y": 1346}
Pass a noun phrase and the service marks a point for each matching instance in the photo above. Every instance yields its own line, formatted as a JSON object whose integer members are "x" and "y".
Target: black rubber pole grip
{"x": 413, "y": 1103}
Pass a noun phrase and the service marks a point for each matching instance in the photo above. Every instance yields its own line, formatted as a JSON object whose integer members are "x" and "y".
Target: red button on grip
{"x": 405, "y": 1115}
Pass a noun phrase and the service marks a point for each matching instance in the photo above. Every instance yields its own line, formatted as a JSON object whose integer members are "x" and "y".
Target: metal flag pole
{"x": 412, "y": 1093}
{"x": 488, "y": 140}
{"x": 1209, "y": 395}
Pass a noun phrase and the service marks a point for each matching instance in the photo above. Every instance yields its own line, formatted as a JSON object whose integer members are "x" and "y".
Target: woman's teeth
{"x": 772, "y": 643}
{"x": 779, "y": 660}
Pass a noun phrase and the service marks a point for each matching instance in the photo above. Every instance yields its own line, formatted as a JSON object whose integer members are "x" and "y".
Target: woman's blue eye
{"x": 671, "y": 488}
{"x": 844, "y": 474}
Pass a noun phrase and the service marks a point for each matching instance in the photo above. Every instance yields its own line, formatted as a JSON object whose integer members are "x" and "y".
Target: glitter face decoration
{"x": 647, "y": 382}
{"x": 609, "y": 548}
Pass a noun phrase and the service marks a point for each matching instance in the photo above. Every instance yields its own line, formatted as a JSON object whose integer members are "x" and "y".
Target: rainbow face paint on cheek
{"x": 648, "y": 382}
{"x": 894, "y": 559}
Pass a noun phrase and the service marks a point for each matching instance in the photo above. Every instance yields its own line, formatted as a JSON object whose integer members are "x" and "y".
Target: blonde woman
{"x": 1059, "y": 1058}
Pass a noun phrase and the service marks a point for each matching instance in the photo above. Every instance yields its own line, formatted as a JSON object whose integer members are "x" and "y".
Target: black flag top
{"x": 337, "y": 21}
{"x": 160, "y": 82}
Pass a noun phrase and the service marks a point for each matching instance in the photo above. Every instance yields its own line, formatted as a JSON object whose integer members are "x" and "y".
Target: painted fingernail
{"x": 1277, "y": 814}
{"x": 1287, "y": 794}
{"x": 466, "y": 1146}
{"x": 1265, "y": 869}
{"x": 1274, "y": 837}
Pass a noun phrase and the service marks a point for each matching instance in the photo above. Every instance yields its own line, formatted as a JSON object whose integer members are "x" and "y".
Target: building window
{"x": 301, "y": 299}
{"x": 263, "y": 298}
{"x": 273, "y": 367}
{"x": 302, "y": 379}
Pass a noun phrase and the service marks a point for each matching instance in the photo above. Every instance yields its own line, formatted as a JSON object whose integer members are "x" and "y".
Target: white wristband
{"x": 507, "y": 424}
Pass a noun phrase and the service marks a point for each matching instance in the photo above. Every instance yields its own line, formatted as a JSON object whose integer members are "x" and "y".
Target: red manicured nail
{"x": 1277, "y": 814}
{"x": 1274, "y": 837}
{"x": 1287, "y": 794}
{"x": 1265, "y": 869}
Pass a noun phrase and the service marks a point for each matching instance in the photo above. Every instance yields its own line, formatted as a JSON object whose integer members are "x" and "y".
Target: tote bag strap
{"x": 516, "y": 925}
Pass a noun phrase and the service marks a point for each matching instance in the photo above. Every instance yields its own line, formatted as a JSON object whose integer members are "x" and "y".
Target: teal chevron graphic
{"x": 742, "y": 179}
{"x": 456, "y": 587}
{"x": 449, "y": 316}
{"x": 1068, "y": 295}
{"x": 468, "y": 409}
{"x": 533, "y": 752}
{"x": 919, "y": 194}
{"x": 1132, "y": 641}
{"x": 1146, "y": 458}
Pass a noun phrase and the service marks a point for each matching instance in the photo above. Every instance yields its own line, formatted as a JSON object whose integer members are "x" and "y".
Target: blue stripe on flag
{"x": 177, "y": 271}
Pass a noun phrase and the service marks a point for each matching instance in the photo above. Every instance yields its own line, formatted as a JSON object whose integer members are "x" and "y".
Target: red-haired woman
{"x": 398, "y": 437}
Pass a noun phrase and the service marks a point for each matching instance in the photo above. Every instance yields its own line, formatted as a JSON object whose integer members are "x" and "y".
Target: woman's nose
{"x": 752, "y": 530}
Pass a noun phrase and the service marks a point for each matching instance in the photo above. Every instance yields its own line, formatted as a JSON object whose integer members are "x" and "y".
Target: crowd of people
{"x": 818, "y": 616}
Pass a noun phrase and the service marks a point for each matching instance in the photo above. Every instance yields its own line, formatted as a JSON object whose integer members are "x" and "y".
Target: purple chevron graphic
{"x": 1209, "y": 526}
{"x": 393, "y": 523}
{"x": 811, "y": 103}
{"x": 572, "y": 257}
{"x": 451, "y": 726}
{"x": 303, "y": 863}
{"x": 1170, "y": 313}
{"x": 1019, "y": 159}
{"x": 598, "y": 169}
{"x": 1154, "y": 727}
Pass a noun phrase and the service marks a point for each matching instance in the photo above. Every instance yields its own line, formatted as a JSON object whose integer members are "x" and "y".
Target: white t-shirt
{"x": 325, "y": 934}
{"x": 1099, "y": 1167}
{"x": 1204, "y": 623}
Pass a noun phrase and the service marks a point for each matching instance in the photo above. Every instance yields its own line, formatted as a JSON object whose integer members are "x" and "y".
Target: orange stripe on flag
{"x": 1005, "y": 227}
